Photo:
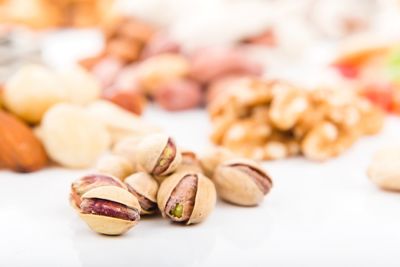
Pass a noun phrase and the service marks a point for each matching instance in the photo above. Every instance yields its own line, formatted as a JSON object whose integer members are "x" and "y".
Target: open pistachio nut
{"x": 145, "y": 189}
{"x": 158, "y": 155}
{"x": 242, "y": 182}
{"x": 186, "y": 197}
{"x": 110, "y": 210}
{"x": 88, "y": 182}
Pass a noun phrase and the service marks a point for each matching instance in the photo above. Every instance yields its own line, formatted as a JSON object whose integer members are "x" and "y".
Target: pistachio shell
{"x": 237, "y": 187}
{"x": 205, "y": 195}
{"x": 115, "y": 165}
{"x": 114, "y": 193}
{"x": 107, "y": 225}
{"x": 213, "y": 157}
{"x": 127, "y": 148}
{"x": 189, "y": 163}
{"x": 149, "y": 151}
{"x": 143, "y": 184}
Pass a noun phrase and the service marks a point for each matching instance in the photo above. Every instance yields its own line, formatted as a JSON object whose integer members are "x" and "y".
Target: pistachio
{"x": 190, "y": 162}
{"x": 127, "y": 147}
{"x": 88, "y": 182}
{"x": 213, "y": 157}
{"x": 384, "y": 169}
{"x": 144, "y": 188}
{"x": 115, "y": 165}
{"x": 186, "y": 197}
{"x": 158, "y": 155}
{"x": 242, "y": 182}
{"x": 110, "y": 210}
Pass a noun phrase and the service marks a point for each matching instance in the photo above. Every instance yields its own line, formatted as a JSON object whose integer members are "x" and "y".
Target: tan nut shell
{"x": 127, "y": 148}
{"x": 384, "y": 169}
{"x": 119, "y": 122}
{"x": 145, "y": 185}
{"x": 189, "y": 162}
{"x": 205, "y": 197}
{"x": 72, "y": 137}
{"x": 236, "y": 187}
{"x": 109, "y": 225}
{"x": 149, "y": 151}
{"x": 210, "y": 160}
{"x": 31, "y": 91}
{"x": 115, "y": 165}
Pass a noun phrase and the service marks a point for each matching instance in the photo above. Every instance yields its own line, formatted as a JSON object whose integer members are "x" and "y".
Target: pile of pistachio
{"x": 151, "y": 174}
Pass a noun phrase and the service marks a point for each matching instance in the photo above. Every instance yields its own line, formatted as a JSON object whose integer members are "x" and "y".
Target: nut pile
{"x": 151, "y": 174}
{"x": 139, "y": 62}
{"x": 58, "y": 116}
{"x": 274, "y": 120}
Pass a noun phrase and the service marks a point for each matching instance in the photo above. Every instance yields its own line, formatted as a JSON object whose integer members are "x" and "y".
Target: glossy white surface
{"x": 318, "y": 214}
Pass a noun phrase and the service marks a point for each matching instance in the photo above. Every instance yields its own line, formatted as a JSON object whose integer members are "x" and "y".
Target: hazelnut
{"x": 186, "y": 197}
{"x": 109, "y": 210}
{"x": 242, "y": 182}
{"x": 72, "y": 137}
{"x": 145, "y": 189}
{"x": 158, "y": 155}
{"x": 88, "y": 182}
{"x": 114, "y": 165}
{"x": 384, "y": 169}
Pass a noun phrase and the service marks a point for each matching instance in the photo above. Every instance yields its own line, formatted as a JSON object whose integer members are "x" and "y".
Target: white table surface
{"x": 317, "y": 214}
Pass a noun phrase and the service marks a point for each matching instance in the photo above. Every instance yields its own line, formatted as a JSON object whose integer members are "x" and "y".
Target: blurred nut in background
{"x": 131, "y": 99}
{"x": 72, "y": 137}
{"x": 145, "y": 189}
{"x": 158, "y": 155}
{"x": 119, "y": 122}
{"x": 156, "y": 71}
{"x": 114, "y": 165}
{"x": 127, "y": 148}
{"x": 242, "y": 182}
{"x": 20, "y": 150}
{"x": 384, "y": 170}
{"x": 88, "y": 182}
{"x": 31, "y": 91}
{"x": 179, "y": 94}
{"x": 210, "y": 63}
{"x": 106, "y": 70}
{"x": 160, "y": 43}
{"x": 190, "y": 162}
{"x": 80, "y": 86}
{"x": 210, "y": 160}
{"x": 109, "y": 210}
{"x": 186, "y": 197}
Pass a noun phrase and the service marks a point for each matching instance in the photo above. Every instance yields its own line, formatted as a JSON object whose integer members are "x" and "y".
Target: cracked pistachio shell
{"x": 82, "y": 185}
{"x": 115, "y": 165}
{"x": 151, "y": 148}
{"x": 144, "y": 185}
{"x": 105, "y": 224}
{"x": 239, "y": 187}
{"x": 205, "y": 198}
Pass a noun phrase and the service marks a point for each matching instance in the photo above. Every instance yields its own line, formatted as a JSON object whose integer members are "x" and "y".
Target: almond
{"x": 20, "y": 150}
